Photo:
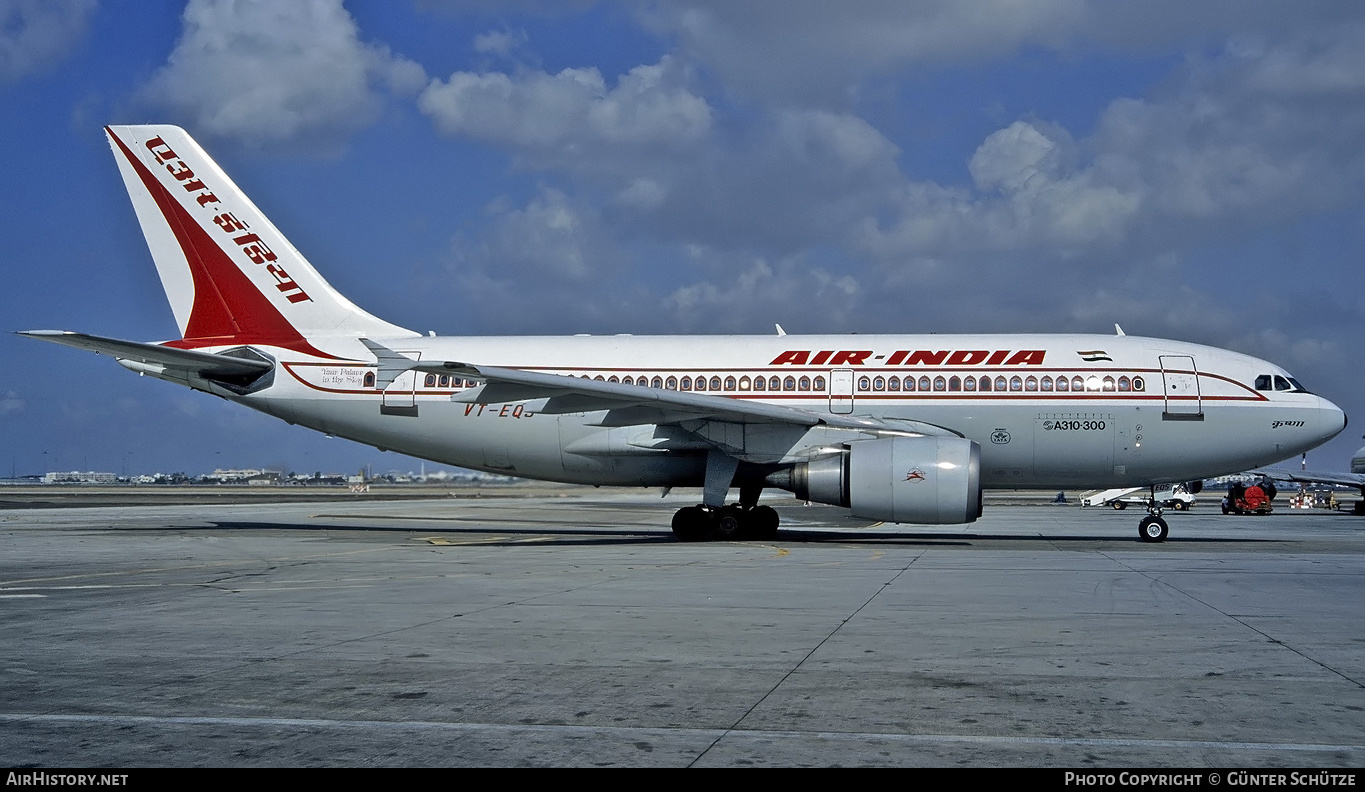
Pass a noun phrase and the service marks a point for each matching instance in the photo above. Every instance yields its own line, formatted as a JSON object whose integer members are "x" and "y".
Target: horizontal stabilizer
{"x": 205, "y": 364}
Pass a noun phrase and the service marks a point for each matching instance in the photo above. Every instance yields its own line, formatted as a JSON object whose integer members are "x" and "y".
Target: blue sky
{"x": 1191, "y": 171}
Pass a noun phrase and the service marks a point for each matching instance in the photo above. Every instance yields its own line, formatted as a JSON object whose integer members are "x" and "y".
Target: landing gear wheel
{"x": 729, "y": 522}
{"x": 763, "y": 522}
{"x": 1153, "y": 529}
{"x": 691, "y": 524}
{"x": 1118, "y": 505}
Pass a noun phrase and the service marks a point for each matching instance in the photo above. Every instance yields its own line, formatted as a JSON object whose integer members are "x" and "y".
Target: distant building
{"x": 78, "y": 477}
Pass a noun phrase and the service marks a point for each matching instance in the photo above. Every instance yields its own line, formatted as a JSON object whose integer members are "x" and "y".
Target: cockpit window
{"x": 1275, "y": 382}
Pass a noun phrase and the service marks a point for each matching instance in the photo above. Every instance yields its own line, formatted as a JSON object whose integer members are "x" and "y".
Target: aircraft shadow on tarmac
{"x": 519, "y": 534}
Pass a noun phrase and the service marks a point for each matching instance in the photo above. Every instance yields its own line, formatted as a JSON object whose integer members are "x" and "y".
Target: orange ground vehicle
{"x": 1254, "y": 499}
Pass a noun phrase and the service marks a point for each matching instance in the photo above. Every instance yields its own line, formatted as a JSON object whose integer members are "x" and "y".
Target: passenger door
{"x": 1180, "y": 381}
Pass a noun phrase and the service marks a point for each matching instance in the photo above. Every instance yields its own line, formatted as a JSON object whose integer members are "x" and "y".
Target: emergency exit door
{"x": 841, "y": 391}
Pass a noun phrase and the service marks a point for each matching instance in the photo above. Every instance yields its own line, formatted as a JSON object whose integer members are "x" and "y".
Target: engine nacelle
{"x": 927, "y": 480}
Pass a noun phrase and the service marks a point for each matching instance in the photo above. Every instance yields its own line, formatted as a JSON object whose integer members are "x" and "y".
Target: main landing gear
{"x": 700, "y": 523}
{"x": 712, "y": 519}
{"x": 1153, "y": 528}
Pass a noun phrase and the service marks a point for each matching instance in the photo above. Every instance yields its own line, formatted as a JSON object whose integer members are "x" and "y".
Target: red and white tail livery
{"x": 230, "y": 275}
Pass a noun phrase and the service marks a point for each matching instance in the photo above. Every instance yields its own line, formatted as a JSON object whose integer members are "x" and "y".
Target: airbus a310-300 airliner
{"x": 897, "y": 428}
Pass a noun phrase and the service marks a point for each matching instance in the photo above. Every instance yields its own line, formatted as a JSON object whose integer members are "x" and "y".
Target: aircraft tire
{"x": 691, "y": 524}
{"x": 1153, "y": 529}
{"x": 729, "y": 523}
{"x": 763, "y": 522}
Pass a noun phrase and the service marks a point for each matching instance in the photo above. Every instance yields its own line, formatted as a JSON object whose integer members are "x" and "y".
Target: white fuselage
{"x": 1046, "y": 410}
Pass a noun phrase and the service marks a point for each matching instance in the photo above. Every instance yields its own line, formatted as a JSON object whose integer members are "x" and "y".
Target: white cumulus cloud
{"x": 265, "y": 72}
{"x": 565, "y": 113}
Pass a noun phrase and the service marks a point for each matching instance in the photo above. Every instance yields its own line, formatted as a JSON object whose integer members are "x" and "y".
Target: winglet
{"x": 1118, "y": 330}
{"x": 780, "y": 331}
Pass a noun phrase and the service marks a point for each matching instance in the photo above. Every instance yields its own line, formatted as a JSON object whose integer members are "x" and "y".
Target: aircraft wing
{"x": 628, "y": 405}
{"x": 204, "y": 364}
{"x": 1314, "y": 477}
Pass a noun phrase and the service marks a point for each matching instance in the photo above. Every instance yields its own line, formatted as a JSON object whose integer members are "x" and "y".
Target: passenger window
{"x": 1046, "y": 383}
{"x": 879, "y": 384}
{"x": 715, "y": 383}
{"x": 1063, "y": 384}
{"x": 985, "y": 383}
{"x": 924, "y": 383}
{"x": 1138, "y": 384}
{"x": 864, "y": 384}
{"x": 729, "y": 383}
{"x": 1016, "y": 384}
{"x": 1109, "y": 384}
{"x": 686, "y": 383}
{"x": 803, "y": 384}
{"x": 1031, "y": 384}
{"x": 954, "y": 384}
{"x": 430, "y": 381}
{"x": 940, "y": 384}
{"x": 369, "y": 379}
{"x": 657, "y": 382}
{"x": 1125, "y": 385}
{"x": 613, "y": 378}
{"x": 600, "y": 378}
{"x": 1077, "y": 384}
{"x": 744, "y": 383}
{"x": 969, "y": 383}
{"x": 672, "y": 383}
{"x": 773, "y": 384}
{"x": 627, "y": 381}
{"x": 999, "y": 383}
{"x": 759, "y": 384}
{"x": 819, "y": 384}
{"x": 893, "y": 384}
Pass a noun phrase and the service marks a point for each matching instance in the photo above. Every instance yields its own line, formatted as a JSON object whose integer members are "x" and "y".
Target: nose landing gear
{"x": 1153, "y": 528}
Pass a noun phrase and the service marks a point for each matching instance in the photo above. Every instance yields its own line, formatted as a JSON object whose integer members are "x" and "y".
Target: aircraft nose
{"x": 1331, "y": 419}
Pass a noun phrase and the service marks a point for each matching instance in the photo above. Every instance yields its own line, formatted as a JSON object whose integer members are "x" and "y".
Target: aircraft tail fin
{"x": 230, "y": 275}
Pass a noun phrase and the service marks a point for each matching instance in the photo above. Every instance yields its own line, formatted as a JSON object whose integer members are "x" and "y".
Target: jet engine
{"x": 927, "y": 480}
